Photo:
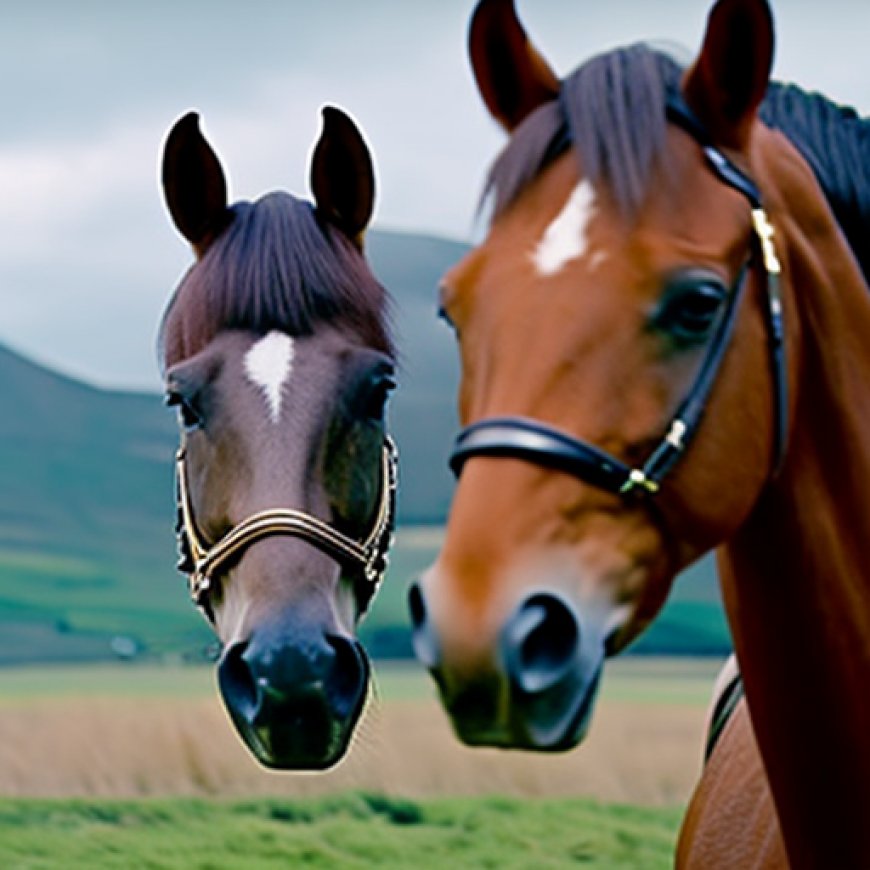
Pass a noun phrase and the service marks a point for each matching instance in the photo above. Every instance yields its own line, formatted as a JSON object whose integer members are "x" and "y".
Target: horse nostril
{"x": 423, "y": 637}
{"x": 349, "y": 674}
{"x": 540, "y": 642}
{"x": 417, "y": 606}
{"x": 237, "y": 683}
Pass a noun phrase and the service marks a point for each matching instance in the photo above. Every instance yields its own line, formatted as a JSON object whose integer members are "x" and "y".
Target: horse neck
{"x": 796, "y": 577}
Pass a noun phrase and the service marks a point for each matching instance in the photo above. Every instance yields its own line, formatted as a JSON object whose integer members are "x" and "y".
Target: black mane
{"x": 611, "y": 110}
{"x": 276, "y": 266}
{"x": 835, "y": 142}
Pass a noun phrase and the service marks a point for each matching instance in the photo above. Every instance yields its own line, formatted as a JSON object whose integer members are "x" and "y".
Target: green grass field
{"x": 347, "y": 831}
{"x": 187, "y": 794}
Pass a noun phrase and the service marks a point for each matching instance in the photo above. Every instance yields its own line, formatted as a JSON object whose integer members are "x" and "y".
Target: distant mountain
{"x": 85, "y": 516}
{"x": 86, "y": 506}
{"x": 78, "y": 465}
{"x": 86, "y": 494}
{"x": 423, "y": 411}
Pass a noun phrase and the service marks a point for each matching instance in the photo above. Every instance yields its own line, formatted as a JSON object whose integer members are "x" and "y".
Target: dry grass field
{"x": 137, "y": 731}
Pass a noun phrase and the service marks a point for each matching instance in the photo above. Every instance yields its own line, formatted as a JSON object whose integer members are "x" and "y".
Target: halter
{"x": 203, "y": 561}
{"x": 531, "y": 440}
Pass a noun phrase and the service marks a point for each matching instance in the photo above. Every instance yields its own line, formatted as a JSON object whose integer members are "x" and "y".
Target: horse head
{"x": 621, "y": 300}
{"x": 276, "y": 355}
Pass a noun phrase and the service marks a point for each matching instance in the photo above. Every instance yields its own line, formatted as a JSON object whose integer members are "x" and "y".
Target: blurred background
{"x": 104, "y": 688}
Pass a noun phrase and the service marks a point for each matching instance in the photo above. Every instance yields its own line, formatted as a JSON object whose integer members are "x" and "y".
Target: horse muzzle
{"x": 533, "y": 688}
{"x": 295, "y": 700}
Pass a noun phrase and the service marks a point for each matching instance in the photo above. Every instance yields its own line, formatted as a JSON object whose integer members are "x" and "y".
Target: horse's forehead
{"x": 556, "y": 234}
{"x": 306, "y": 371}
{"x": 567, "y": 226}
{"x": 262, "y": 375}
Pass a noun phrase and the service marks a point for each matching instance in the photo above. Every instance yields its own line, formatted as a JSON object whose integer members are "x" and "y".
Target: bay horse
{"x": 277, "y": 355}
{"x": 664, "y": 349}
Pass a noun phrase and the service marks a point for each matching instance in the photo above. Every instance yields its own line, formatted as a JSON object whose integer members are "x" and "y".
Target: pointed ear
{"x": 342, "y": 175}
{"x": 512, "y": 76}
{"x": 194, "y": 185}
{"x": 729, "y": 78}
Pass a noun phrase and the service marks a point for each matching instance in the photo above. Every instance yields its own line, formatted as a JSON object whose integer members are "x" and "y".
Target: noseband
{"x": 531, "y": 440}
{"x": 367, "y": 560}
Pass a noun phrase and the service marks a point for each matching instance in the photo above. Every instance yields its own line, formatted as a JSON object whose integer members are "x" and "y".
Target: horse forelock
{"x": 610, "y": 111}
{"x": 277, "y": 266}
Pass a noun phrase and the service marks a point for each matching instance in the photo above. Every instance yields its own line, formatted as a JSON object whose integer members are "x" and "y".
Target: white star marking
{"x": 268, "y": 365}
{"x": 565, "y": 238}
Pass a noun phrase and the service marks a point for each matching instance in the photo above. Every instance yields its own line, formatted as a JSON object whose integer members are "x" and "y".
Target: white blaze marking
{"x": 268, "y": 365}
{"x": 565, "y": 238}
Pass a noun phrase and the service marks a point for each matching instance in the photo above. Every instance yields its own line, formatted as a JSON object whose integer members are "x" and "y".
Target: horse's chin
{"x": 294, "y": 744}
{"x": 302, "y": 734}
{"x": 544, "y": 724}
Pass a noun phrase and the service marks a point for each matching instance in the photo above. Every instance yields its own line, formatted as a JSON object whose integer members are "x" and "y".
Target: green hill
{"x": 86, "y": 498}
{"x": 423, "y": 411}
{"x": 85, "y": 517}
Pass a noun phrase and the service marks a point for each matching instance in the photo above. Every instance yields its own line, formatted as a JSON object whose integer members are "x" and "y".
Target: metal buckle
{"x": 638, "y": 480}
{"x": 765, "y": 232}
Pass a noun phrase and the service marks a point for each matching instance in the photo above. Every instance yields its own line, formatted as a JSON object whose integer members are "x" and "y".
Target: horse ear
{"x": 342, "y": 175}
{"x": 193, "y": 184}
{"x": 512, "y": 76}
{"x": 729, "y": 78}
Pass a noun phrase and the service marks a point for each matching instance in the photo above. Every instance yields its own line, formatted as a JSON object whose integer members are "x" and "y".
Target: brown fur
{"x": 579, "y": 351}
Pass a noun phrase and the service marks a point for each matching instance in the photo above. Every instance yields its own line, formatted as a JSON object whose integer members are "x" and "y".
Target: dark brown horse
{"x": 664, "y": 345}
{"x": 276, "y": 354}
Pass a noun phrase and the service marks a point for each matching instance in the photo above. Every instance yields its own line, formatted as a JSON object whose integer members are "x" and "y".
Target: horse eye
{"x": 376, "y": 399}
{"x": 188, "y": 416}
{"x": 689, "y": 311}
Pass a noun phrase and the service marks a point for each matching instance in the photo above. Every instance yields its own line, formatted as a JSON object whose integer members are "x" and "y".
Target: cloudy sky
{"x": 89, "y": 88}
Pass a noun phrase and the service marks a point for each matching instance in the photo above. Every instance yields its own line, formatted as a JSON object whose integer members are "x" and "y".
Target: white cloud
{"x": 87, "y": 253}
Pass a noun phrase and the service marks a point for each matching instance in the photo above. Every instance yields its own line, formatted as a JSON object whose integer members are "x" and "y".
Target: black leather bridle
{"x": 366, "y": 561}
{"x": 534, "y": 441}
